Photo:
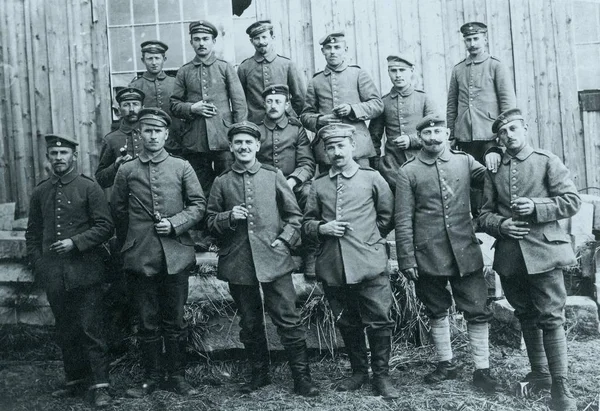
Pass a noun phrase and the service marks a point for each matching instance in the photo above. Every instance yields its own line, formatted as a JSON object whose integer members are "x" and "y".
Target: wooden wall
{"x": 54, "y": 75}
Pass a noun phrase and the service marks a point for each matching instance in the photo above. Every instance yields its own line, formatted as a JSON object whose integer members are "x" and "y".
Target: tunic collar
{"x": 484, "y": 56}
{"x": 395, "y": 93}
{"x": 241, "y": 170}
{"x": 444, "y": 156}
{"x": 126, "y": 128}
{"x": 160, "y": 76}
{"x": 65, "y": 178}
{"x": 281, "y": 123}
{"x": 521, "y": 155}
{"x": 348, "y": 173}
{"x": 207, "y": 61}
{"x": 337, "y": 69}
{"x": 145, "y": 158}
{"x": 269, "y": 57}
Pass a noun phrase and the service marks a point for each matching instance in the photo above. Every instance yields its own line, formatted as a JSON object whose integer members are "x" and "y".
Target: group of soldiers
{"x": 228, "y": 153}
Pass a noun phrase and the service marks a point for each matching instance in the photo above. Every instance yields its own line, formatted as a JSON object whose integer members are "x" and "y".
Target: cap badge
{"x": 431, "y": 124}
{"x": 58, "y": 143}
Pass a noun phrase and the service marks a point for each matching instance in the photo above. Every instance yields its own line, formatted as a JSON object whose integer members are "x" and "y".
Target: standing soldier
{"x": 155, "y": 201}
{"x": 341, "y": 93}
{"x": 404, "y": 106}
{"x": 122, "y": 144}
{"x": 69, "y": 220}
{"x": 523, "y": 203}
{"x": 266, "y": 68}
{"x": 208, "y": 97}
{"x": 256, "y": 233}
{"x": 158, "y": 87}
{"x": 349, "y": 213}
{"x": 436, "y": 245}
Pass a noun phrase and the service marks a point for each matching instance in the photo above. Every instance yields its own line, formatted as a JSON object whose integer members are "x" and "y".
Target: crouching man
{"x": 253, "y": 213}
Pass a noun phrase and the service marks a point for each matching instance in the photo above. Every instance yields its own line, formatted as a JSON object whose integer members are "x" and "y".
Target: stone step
{"x": 12, "y": 245}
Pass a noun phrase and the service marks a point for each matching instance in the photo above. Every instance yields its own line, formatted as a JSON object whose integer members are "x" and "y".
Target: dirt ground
{"x": 31, "y": 370}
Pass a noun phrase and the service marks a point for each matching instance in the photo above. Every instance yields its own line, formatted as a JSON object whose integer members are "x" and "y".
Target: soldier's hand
{"x": 62, "y": 246}
{"x": 492, "y": 161}
{"x": 120, "y": 160}
{"x": 327, "y": 119}
{"x": 292, "y": 182}
{"x": 514, "y": 229}
{"x": 204, "y": 109}
{"x": 402, "y": 142}
{"x": 163, "y": 227}
{"x": 522, "y": 206}
{"x": 239, "y": 212}
{"x": 411, "y": 274}
{"x": 335, "y": 228}
{"x": 342, "y": 110}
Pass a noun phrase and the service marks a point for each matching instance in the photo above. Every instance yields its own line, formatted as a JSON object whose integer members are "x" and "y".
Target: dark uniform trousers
{"x": 80, "y": 331}
{"x": 367, "y": 304}
{"x": 202, "y": 163}
{"x": 280, "y": 303}
{"x": 470, "y": 294}
{"x": 537, "y": 298}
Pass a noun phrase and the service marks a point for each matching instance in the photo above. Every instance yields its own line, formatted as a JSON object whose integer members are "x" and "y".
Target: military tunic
{"x": 123, "y": 137}
{"x": 260, "y": 71}
{"x": 343, "y": 85}
{"x": 479, "y": 91}
{"x": 401, "y": 113}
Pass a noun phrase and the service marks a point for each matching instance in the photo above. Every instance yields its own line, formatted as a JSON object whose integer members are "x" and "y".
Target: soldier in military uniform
{"x": 436, "y": 245}
{"x": 266, "y": 68}
{"x": 349, "y": 213}
{"x": 69, "y": 220}
{"x": 404, "y": 106}
{"x": 158, "y": 87}
{"x": 522, "y": 205}
{"x": 124, "y": 143}
{"x": 156, "y": 199}
{"x": 341, "y": 93}
{"x": 255, "y": 235}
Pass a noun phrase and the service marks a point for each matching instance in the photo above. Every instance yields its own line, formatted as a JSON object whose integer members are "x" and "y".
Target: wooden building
{"x": 61, "y": 59}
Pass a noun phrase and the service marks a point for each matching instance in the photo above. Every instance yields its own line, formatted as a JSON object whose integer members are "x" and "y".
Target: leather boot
{"x": 356, "y": 348}
{"x": 562, "y": 399}
{"x": 258, "y": 354}
{"x": 539, "y": 378}
{"x": 445, "y": 370}
{"x": 381, "y": 347}
{"x": 175, "y": 356}
{"x": 298, "y": 360}
{"x": 100, "y": 397}
{"x": 151, "y": 358}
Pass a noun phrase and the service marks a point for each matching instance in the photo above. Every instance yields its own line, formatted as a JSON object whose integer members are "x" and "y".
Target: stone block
{"x": 20, "y": 224}
{"x": 7, "y": 216}
{"x": 505, "y": 328}
{"x": 207, "y": 288}
{"x": 595, "y": 201}
{"x": 582, "y": 316}
{"x": 391, "y": 250}
{"x": 8, "y": 315}
{"x": 35, "y": 316}
{"x": 487, "y": 242}
{"x": 12, "y": 245}
{"x": 11, "y": 271}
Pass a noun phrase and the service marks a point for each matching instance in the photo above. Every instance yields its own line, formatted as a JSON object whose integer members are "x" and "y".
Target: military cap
{"x": 244, "y": 127}
{"x": 473, "y": 27}
{"x": 203, "y": 26}
{"x": 334, "y": 37}
{"x": 276, "y": 89}
{"x": 154, "y": 116}
{"x": 335, "y": 132}
{"x": 506, "y": 117}
{"x": 55, "y": 140}
{"x": 154, "y": 46}
{"x": 399, "y": 58}
{"x": 130, "y": 93}
{"x": 433, "y": 120}
{"x": 259, "y": 27}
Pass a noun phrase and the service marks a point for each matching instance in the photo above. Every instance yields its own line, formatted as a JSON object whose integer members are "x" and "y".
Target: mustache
{"x": 432, "y": 143}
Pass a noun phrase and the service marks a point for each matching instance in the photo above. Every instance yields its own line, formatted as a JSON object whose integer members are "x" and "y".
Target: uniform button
{"x": 60, "y": 185}
{"x": 443, "y": 188}
{"x": 251, "y": 223}
{"x": 249, "y": 190}
{"x": 250, "y": 206}
{"x": 156, "y": 203}
{"x": 58, "y": 200}
{"x": 515, "y": 187}
{"x": 514, "y": 171}
{"x": 448, "y": 225}
{"x": 58, "y": 216}
{"x": 57, "y": 225}
{"x": 58, "y": 208}
{"x": 514, "y": 178}
{"x": 445, "y": 197}
{"x": 70, "y": 223}
{"x": 251, "y": 231}
{"x": 68, "y": 202}
{"x": 58, "y": 233}
{"x": 446, "y": 216}
{"x": 514, "y": 195}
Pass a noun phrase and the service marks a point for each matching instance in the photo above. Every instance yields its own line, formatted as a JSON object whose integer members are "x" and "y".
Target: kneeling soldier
{"x": 436, "y": 244}
{"x": 254, "y": 215}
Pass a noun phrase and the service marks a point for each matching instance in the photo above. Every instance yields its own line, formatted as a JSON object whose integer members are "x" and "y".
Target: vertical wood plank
{"x": 366, "y": 39}
{"x": 5, "y": 69}
{"x": 410, "y": 35}
{"x": 453, "y": 40}
{"x": 434, "y": 63}
{"x": 387, "y": 40}
{"x": 322, "y": 23}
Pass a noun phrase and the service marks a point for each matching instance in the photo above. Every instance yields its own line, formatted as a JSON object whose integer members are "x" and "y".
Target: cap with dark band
{"x": 154, "y": 116}
{"x": 506, "y": 117}
{"x": 334, "y": 37}
{"x": 55, "y": 140}
{"x": 399, "y": 59}
{"x": 203, "y": 26}
{"x": 130, "y": 93}
{"x": 259, "y": 27}
{"x": 433, "y": 120}
{"x": 276, "y": 89}
{"x": 154, "y": 46}
{"x": 473, "y": 27}
{"x": 335, "y": 132}
{"x": 244, "y": 127}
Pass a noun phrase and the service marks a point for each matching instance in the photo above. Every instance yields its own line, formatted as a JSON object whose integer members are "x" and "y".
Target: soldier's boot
{"x": 151, "y": 360}
{"x": 381, "y": 347}
{"x": 539, "y": 377}
{"x": 100, "y": 397}
{"x": 479, "y": 341}
{"x": 555, "y": 345}
{"x": 298, "y": 360}
{"x": 258, "y": 354}
{"x": 175, "y": 358}
{"x": 445, "y": 369}
{"x": 356, "y": 347}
